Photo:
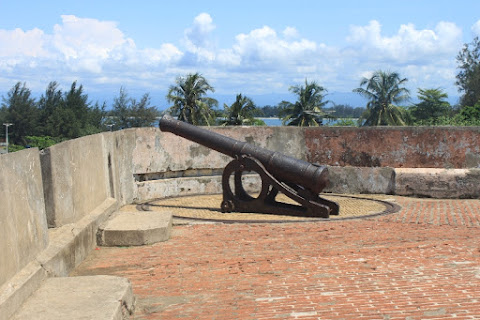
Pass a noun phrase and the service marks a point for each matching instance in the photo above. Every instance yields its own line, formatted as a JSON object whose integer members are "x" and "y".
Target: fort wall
{"x": 362, "y": 160}
{"x": 397, "y": 147}
{"x": 23, "y": 224}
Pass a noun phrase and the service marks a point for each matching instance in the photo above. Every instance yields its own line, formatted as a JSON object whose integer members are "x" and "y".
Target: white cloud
{"x": 290, "y": 32}
{"x": 197, "y": 39}
{"x": 425, "y": 57}
{"x": 262, "y": 59}
{"x": 20, "y": 43}
{"x": 77, "y": 38}
{"x": 167, "y": 53}
{"x": 407, "y": 45}
{"x": 198, "y": 34}
{"x": 476, "y": 28}
{"x": 22, "y": 48}
{"x": 83, "y": 46}
{"x": 264, "y": 47}
{"x": 228, "y": 58}
{"x": 89, "y": 45}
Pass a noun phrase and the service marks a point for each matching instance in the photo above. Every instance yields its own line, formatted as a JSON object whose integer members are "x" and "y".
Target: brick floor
{"x": 420, "y": 263}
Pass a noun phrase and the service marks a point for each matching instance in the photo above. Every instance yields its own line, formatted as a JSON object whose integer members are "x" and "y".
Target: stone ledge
{"x": 70, "y": 244}
{"x": 135, "y": 229}
{"x": 90, "y": 297}
{"x": 174, "y": 187}
{"x": 14, "y": 293}
{"x": 438, "y": 183}
{"x": 361, "y": 180}
{"x": 348, "y": 180}
{"x": 417, "y": 182}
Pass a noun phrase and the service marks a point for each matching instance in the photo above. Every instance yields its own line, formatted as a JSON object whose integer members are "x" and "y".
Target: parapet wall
{"x": 76, "y": 179}
{"x": 398, "y": 147}
{"x": 407, "y": 147}
{"x": 156, "y": 151}
{"x": 23, "y": 224}
{"x": 167, "y": 165}
{"x": 71, "y": 187}
{"x": 80, "y": 174}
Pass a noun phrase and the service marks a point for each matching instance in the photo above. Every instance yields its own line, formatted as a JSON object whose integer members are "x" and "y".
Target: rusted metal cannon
{"x": 301, "y": 181}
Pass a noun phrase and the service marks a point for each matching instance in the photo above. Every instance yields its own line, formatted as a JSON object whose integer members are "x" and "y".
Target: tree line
{"x": 57, "y": 116}
{"x": 60, "y": 115}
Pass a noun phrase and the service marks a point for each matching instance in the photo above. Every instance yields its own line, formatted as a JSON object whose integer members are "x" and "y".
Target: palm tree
{"x": 384, "y": 90}
{"x": 189, "y": 101}
{"x": 307, "y": 110}
{"x": 433, "y": 105}
{"x": 240, "y": 112}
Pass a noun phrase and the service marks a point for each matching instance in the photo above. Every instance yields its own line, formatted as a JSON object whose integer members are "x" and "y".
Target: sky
{"x": 254, "y": 48}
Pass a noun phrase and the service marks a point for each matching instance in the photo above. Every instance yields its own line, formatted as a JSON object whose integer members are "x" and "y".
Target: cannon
{"x": 299, "y": 180}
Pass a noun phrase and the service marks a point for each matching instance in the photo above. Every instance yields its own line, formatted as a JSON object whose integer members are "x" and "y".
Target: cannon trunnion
{"x": 299, "y": 180}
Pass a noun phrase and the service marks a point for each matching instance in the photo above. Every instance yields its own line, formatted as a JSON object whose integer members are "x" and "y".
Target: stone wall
{"x": 156, "y": 151}
{"x": 80, "y": 174}
{"x": 407, "y": 147}
{"x": 167, "y": 165}
{"x": 72, "y": 188}
{"x": 23, "y": 224}
{"x": 75, "y": 178}
{"x": 438, "y": 183}
{"x": 398, "y": 147}
{"x": 118, "y": 156}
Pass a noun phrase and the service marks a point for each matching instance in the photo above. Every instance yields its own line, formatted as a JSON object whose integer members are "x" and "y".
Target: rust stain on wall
{"x": 409, "y": 147}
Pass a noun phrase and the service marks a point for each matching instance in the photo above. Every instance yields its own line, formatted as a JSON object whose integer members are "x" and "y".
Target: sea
{"x": 275, "y": 122}
{"x": 272, "y": 122}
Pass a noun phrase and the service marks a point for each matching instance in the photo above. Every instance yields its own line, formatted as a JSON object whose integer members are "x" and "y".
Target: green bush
{"x": 41, "y": 142}
{"x": 346, "y": 123}
{"x": 15, "y": 147}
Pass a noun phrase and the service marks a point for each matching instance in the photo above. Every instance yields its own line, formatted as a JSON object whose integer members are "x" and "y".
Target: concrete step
{"x": 75, "y": 298}
{"x": 135, "y": 228}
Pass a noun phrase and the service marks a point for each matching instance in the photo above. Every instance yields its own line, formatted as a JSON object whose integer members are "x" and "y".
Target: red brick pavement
{"x": 420, "y": 263}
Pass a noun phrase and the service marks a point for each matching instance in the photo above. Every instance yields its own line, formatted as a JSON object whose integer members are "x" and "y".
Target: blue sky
{"x": 249, "y": 47}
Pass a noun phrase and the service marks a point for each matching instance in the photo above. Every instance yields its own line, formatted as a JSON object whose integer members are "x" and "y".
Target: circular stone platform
{"x": 207, "y": 207}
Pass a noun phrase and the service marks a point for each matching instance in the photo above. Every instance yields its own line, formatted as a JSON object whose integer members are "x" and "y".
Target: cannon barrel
{"x": 287, "y": 169}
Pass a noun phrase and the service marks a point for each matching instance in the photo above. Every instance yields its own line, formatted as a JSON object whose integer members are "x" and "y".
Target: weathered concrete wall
{"x": 407, "y": 147}
{"x": 23, "y": 224}
{"x": 75, "y": 179}
{"x": 438, "y": 183}
{"x": 119, "y": 146}
{"x": 166, "y": 165}
{"x": 361, "y": 180}
{"x": 73, "y": 188}
{"x": 156, "y": 151}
